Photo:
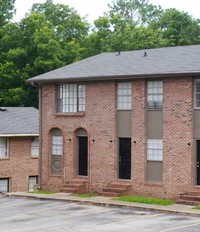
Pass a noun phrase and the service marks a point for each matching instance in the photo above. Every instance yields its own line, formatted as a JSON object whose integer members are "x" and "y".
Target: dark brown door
{"x": 198, "y": 162}
{"x": 82, "y": 156}
{"x": 124, "y": 158}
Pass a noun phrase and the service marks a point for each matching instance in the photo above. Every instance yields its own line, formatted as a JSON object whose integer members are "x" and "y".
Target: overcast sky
{"x": 95, "y": 8}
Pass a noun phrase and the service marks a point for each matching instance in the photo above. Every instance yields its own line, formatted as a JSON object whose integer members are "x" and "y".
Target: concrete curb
{"x": 107, "y": 202}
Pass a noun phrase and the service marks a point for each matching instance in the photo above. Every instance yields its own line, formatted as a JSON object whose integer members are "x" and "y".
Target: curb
{"x": 110, "y": 203}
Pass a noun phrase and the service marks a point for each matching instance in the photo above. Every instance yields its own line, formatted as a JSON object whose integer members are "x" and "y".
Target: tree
{"x": 139, "y": 11}
{"x": 178, "y": 27}
{"x": 49, "y": 37}
{"x": 6, "y": 11}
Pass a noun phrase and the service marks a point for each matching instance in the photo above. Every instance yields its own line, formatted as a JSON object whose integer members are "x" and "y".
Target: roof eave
{"x": 119, "y": 77}
{"x": 18, "y": 135}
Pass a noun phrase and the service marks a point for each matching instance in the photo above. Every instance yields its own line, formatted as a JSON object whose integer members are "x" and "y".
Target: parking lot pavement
{"x": 24, "y": 215}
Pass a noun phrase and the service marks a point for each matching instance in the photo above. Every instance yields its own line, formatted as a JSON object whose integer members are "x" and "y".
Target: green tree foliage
{"x": 179, "y": 28}
{"x": 54, "y": 35}
{"x": 6, "y": 11}
{"x": 49, "y": 37}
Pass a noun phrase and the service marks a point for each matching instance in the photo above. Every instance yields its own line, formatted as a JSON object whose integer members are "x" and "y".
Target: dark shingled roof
{"x": 19, "y": 121}
{"x": 132, "y": 64}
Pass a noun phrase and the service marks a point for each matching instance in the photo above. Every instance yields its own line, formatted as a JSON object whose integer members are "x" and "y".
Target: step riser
{"x": 192, "y": 193}
{"x": 190, "y": 198}
{"x": 109, "y": 194}
{"x": 108, "y": 189}
{"x": 184, "y": 202}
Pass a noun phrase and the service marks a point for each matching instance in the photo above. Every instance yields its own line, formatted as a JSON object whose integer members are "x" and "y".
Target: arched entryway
{"x": 82, "y": 152}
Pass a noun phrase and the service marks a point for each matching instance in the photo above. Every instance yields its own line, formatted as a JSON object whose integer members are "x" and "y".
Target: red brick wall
{"x": 19, "y": 165}
{"x": 99, "y": 121}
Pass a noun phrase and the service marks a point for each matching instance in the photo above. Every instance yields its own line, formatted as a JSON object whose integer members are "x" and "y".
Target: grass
{"x": 84, "y": 195}
{"x": 146, "y": 200}
{"x": 42, "y": 192}
{"x": 196, "y": 207}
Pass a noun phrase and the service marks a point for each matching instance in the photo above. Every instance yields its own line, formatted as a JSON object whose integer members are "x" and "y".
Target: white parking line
{"x": 36, "y": 211}
{"x": 181, "y": 227}
{"x": 134, "y": 219}
{"x": 86, "y": 213}
{"x": 21, "y": 203}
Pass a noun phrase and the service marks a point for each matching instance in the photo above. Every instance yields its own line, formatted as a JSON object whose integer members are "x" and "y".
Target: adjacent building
{"x": 122, "y": 123}
{"x": 19, "y": 148}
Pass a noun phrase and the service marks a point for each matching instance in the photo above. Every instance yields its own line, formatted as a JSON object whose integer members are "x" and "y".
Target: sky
{"x": 95, "y": 8}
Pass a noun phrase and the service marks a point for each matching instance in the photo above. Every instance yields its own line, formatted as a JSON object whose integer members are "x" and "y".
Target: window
{"x": 56, "y": 145}
{"x": 33, "y": 180}
{"x": 4, "y": 185}
{"x": 124, "y": 96}
{"x": 3, "y": 147}
{"x": 71, "y": 98}
{"x": 35, "y": 147}
{"x": 154, "y": 149}
{"x": 56, "y": 151}
{"x": 155, "y": 94}
{"x": 197, "y": 93}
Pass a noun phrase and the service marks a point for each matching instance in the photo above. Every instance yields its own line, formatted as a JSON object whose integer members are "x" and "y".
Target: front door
{"x": 198, "y": 162}
{"x": 82, "y": 156}
{"x": 124, "y": 158}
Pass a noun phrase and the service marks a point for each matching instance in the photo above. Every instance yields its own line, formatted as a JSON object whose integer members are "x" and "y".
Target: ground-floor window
{"x": 33, "y": 180}
{"x": 4, "y": 185}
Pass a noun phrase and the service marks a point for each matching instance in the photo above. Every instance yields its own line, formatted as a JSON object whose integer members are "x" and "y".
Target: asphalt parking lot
{"x": 24, "y": 215}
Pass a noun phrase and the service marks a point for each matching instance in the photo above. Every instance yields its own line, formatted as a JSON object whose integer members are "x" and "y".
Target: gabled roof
{"x": 19, "y": 121}
{"x": 133, "y": 64}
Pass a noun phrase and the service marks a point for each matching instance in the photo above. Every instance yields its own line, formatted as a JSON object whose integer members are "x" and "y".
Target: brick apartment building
{"x": 125, "y": 123}
{"x": 19, "y": 148}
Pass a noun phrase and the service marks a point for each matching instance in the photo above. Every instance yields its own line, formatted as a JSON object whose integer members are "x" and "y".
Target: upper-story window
{"x": 35, "y": 147}
{"x": 124, "y": 96}
{"x": 197, "y": 93}
{"x": 155, "y": 94}
{"x": 71, "y": 98}
{"x": 3, "y": 147}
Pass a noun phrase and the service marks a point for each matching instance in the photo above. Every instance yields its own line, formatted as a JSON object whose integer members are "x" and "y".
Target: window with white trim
{"x": 56, "y": 145}
{"x": 124, "y": 96}
{"x": 155, "y": 149}
{"x": 33, "y": 180}
{"x": 197, "y": 93}
{"x": 3, "y": 147}
{"x": 56, "y": 151}
{"x": 35, "y": 147}
{"x": 155, "y": 94}
{"x": 4, "y": 185}
{"x": 71, "y": 98}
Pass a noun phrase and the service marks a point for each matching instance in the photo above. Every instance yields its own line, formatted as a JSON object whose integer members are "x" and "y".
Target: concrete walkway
{"x": 107, "y": 201}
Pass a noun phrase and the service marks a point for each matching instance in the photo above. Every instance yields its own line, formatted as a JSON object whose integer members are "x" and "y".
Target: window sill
{"x": 154, "y": 109}
{"x": 34, "y": 157}
{"x": 154, "y": 184}
{"x": 78, "y": 114}
{"x": 4, "y": 158}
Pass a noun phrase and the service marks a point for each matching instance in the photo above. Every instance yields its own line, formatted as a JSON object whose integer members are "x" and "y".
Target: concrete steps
{"x": 190, "y": 197}
{"x": 75, "y": 186}
{"x": 115, "y": 189}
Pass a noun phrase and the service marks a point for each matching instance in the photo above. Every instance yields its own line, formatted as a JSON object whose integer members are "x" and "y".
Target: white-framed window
{"x": 155, "y": 94}
{"x": 4, "y": 185}
{"x": 155, "y": 149}
{"x": 124, "y": 95}
{"x": 33, "y": 180}
{"x": 35, "y": 147}
{"x": 197, "y": 93}
{"x": 56, "y": 145}
{"x": 3, "y": 147}
{"x": 71, "y": 98}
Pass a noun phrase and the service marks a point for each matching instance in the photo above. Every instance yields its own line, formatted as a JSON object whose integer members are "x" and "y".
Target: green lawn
{"x": 84, "y": 195}
{"x": 146, "y": 200}
{"x": 196, "y": 207}
{"x": 43, "y": 192}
